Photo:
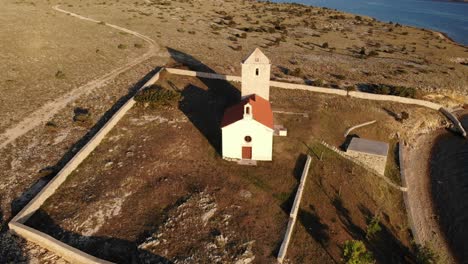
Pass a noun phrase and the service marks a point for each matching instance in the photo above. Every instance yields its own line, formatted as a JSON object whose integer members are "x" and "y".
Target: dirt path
{"x": 47, "y": 111}
{"x": 421, "y": 212}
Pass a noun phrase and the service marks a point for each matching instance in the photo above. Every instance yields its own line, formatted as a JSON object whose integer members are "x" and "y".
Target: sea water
{"x": 448, "y": 17}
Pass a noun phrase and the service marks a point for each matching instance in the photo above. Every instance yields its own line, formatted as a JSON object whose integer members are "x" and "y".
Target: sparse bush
{"x": 404, "y": 116}
{"x": 355, "y": 252}
{"x": 362, "y": 51}
{"x": 157, "y": 95}
{"x": 425, "y": 255}
{"x": 122, "y": 46}
{"x": 373, "y": 227}
{"x": 392, "y": 90}
{"x": 138, "y": 45}
{"x": 325, "y": 45}
{"x": 59, "y": 75}
{"x": 51, "y": 126}
{"x": 101, "y": 23}
{"x": 297, "y": 72}
{"x": 373, "y": 53}
{"x": 319, "y": 83}
{"x": 82, "y": 116}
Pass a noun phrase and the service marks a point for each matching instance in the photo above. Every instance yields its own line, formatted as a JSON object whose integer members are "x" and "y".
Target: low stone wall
{"x": 344, "y": 155}
{"x": 401, "y": 153}
{"x": 58, "y": 247}
{"x": 355, "y": 94}
{"x": 458, "y": 126}
{"x": 69, "y": 253}
{"x": 358, "y": 126}
{"x": 294, "y": 211}
{"x": 204, "y": 75}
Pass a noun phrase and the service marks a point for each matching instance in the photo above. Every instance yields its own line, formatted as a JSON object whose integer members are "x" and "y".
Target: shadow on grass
{"x": 344, "y": 215}
{"x": 205, "y": 108}
{"x": 384, "y": 245}
{"x": 297, "y": 173}
{"x": 10, "y": 246}
{"x": 314, "y": 226}
{"x": 107, "y": 248}
{"x": 347, "y": 141}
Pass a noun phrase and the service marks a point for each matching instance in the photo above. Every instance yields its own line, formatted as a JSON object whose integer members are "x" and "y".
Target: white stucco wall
{"x": 253, "y": 84}
{"x": 233, "y": 140}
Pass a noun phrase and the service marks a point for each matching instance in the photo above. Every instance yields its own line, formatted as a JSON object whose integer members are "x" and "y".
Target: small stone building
{"x": 247, "y": 127}
{"x": 370, "y": 152}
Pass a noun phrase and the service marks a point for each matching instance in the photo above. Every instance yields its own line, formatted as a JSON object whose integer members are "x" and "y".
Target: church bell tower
{"x": 256, "y": 75}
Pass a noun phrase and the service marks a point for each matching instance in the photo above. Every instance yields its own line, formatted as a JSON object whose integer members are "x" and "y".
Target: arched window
{"x": 247, "y": 110}
{"x": 248, "y": 139}
{"x": 256, "y": 71}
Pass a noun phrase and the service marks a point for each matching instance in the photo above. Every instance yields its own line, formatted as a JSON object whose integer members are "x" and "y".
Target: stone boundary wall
{"x": 294, "y": 211}
{"x": 401, "y": 153}
{"x": 344, "y": 155}
{"x": 360, "y": 95}
{"x": 69, "y": 253}
{"x": 455, "y": 121}
{"x": 358, "y": 126}
{"x": 204, "y": 75}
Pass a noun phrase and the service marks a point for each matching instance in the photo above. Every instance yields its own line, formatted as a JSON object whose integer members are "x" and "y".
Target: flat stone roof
{"x": 369, "y": 146}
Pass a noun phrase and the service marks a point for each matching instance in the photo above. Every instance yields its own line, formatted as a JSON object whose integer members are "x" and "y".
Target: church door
{"x": 246, "y": 152}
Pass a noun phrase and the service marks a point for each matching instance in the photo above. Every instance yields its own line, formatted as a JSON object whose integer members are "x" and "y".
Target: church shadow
{"x": 205, "y": 107}
{"x": 107, "y": 248}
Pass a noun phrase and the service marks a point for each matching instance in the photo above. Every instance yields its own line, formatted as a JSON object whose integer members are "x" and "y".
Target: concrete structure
{"x": 370, "y": 152}
{"x": 256, "y": 75}
{"x": 294, "y": 212}
{"x": 247, "y": 130}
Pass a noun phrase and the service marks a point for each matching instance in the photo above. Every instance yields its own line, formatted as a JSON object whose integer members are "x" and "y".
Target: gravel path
{"x": 423, "y": 220}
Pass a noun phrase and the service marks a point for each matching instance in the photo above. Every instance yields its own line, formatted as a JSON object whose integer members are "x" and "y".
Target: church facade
{"x": 247, "y": 127}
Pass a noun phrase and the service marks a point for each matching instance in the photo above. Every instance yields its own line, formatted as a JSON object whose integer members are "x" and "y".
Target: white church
{"x": 247, "y": 127}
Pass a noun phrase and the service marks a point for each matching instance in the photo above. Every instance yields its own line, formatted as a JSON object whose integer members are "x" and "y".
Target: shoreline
{"x": 444, "y": 34}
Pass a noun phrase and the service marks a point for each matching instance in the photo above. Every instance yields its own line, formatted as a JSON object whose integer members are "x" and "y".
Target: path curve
{"x": 358, "y": 126}
{"x": 47, "y": 111}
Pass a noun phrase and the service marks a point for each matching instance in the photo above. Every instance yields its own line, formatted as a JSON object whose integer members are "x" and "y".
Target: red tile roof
{"x": 261, "y": 111}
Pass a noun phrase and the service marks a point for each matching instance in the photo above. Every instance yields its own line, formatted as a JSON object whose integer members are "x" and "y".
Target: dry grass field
{"x": 51, "y": 57}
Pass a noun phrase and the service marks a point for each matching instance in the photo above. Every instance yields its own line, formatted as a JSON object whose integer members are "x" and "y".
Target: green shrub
{"x": 393, "y": 90}
{"x": 82, "y": 116}
{"x": 59, "y": 75}
{"x": 373, "y": 227}
{"x": 355, "y": 252}
{"x": 373, "y": 53}
{"x": 157, "y": 95}
{"x": 425, "y": 255}
{"x": 297, "y": 72}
